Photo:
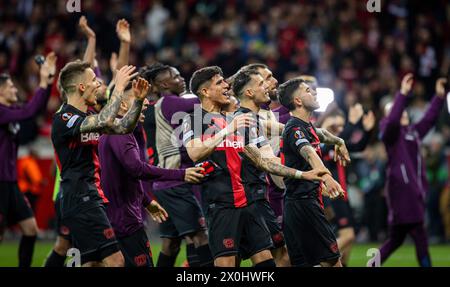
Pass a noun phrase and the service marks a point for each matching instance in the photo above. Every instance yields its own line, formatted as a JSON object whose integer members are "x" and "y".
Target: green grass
{"x": 403, "y": 257}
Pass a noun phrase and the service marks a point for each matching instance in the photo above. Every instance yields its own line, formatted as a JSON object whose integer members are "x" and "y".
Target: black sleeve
{"x": 296, "y": 139}
{"x": 190, "y": 131}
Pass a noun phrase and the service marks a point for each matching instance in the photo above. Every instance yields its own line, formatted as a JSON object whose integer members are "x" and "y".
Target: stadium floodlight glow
{"x": 325, "y": 96}
{"x": 448, "y": 102}
{"x": 188, "y": 95}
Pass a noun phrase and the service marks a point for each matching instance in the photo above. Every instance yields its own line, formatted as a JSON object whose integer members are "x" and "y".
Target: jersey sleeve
{"x": 67, "y": 125}
{"x": 296, "y": 139}
{"x": 190, "y": 131}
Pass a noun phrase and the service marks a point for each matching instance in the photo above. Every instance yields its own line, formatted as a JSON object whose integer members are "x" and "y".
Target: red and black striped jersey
{"x": 77, "y": 159}
{"x": 235, "y": 181}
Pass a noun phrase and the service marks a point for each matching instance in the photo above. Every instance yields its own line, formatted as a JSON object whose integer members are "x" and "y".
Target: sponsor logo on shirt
{"x": 90, "y": 137}
{"x": 66, "y": 116}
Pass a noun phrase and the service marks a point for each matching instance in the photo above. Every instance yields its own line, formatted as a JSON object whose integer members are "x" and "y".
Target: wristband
{"x": 298, "y": 174}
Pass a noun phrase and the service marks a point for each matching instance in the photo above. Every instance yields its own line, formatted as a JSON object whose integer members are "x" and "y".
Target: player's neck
{"x": 250, "y": 105}
{"x": 302, "y": 114}
{"x": 77, "y": 102}
{"x": 210, "y": 107}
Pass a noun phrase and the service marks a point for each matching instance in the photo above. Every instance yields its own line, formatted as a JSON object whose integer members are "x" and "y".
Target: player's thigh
{"x": 225, "y": 261}
{"x": 261, "y": 256}
{"x": 114, "y": 260}
{"x": 256, "y": 236}
{"x": 224, "y": 230}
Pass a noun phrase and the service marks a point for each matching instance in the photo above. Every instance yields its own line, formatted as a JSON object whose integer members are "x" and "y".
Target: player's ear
{"x": 297, "y": 100}
{"x": 81, "y": 87}
{"x": 204, "y": 92}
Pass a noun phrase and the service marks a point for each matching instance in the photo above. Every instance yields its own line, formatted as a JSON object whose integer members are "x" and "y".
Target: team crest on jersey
{"x": 299, "y": 134}
{"x": 228, "y": 243}
{"x": 66, "y": 116}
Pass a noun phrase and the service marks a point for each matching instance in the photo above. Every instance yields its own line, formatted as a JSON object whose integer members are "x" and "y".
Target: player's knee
{"x": 199, "y": 238}
{"x": 29, "y": 227}
{"x": 62, "y": 245}
{"x": 225, "y": 261}
{"x": 171, "y": 246}
{"x": 115, "y": 260}
{"x": 348, "y": 234}
{"x": 331, "y": 263}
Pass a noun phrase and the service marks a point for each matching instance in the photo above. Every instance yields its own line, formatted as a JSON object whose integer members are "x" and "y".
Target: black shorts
{"x": 61, "y": 228}
{"x": 136, "y": 249}
{"x": 309, "y": 236}
{"x": 92, "y": 234}
{"x": 14, "y": 206}
{"x": 234, "y": 231}
{"x": 272, "y": 223}
{"x": 185, "y": 214}
{"x": 343, "y": 214}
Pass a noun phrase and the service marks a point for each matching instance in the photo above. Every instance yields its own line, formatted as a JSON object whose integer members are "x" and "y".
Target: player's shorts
{"x": 92, "y": 234}
{"x": 14, "y": 206}
{"x": 309, "y": 236}
{"x": 343, "y": 214}
{"x": 136, "y": 249}
{"x": 61, "y": 228}
{"x": 234, "y": 231}
{"x": 185, "y": 214}
{"x": 272, "y": 223}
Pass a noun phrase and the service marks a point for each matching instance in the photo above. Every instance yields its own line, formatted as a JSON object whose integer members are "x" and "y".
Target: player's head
{"x": 209, "y": 85}
{"x": 8, "y": 92}
{"x": 267, "y": 75}
{"x": 334, "y": 122}
{"x": 128, "y": 100}
{"x": 164, "y": 78}
{"x": 296, "y": 94}
{"x": 77, "y": 79}
{"x": 404, "y": 121}
{"x": 102, "y": 91}
{"x": 250, "y": 86}
{"x": 311, "y": 81}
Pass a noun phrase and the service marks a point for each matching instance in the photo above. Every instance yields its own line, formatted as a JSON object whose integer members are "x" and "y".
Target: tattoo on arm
{"x": 328, "y": 138}
{"x": 310, "y": 155}
{"x": 267, "y": 164}
{"x": 105, "y": 118}
{"x": 129, "y": 121}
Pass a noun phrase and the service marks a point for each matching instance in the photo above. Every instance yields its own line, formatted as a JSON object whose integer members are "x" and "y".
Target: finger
{"x": 133, "y": 75}
{"x": 164, "y": 212}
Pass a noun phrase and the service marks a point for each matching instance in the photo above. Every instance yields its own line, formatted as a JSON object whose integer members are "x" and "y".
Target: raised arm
{"x": 391, "y": 124}
{"x": 128, "y": 123}
{"x": 104, "y": 120}
{"x": 40, "y": 98}
{"x": 124, "y": 35}
{"x": 432, "y": 114}
{"x": 89, "y": 54}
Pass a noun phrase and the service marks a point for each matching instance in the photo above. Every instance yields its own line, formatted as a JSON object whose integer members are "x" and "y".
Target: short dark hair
{"x": 151, "y": 72}
{"x": 241, "y": 80}
{"x": 285, "y": 92}
{"x": 69, "y": 72}
{"x": 202, "y": 76}
{"x": 3, "y": 78}
{"x": 254, "y": 67}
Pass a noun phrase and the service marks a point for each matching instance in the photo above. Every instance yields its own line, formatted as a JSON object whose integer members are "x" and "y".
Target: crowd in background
{"x": 361, "y": 56}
